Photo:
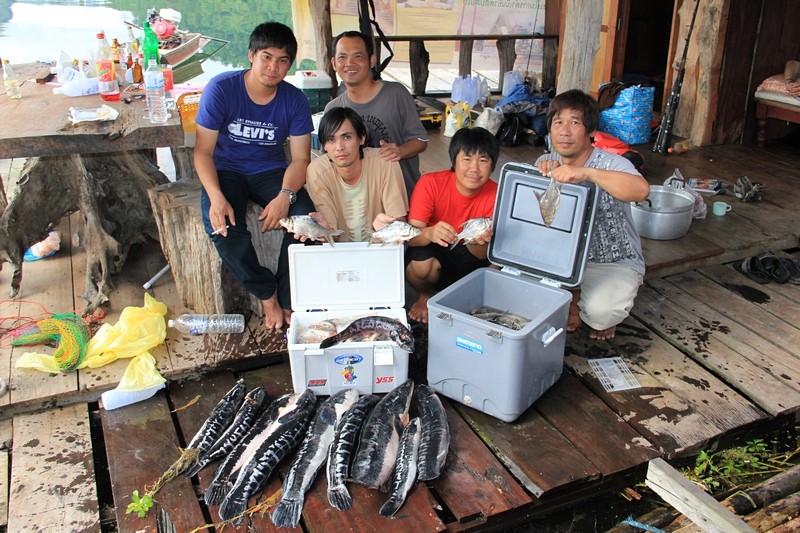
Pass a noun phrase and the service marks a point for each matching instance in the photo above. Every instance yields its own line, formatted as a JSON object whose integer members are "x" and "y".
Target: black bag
{"x": 512, "y": 130}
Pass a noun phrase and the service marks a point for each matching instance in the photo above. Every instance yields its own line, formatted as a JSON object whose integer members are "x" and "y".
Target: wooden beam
{"x": 689, "y": 499}
{"x": 581, "y": 42}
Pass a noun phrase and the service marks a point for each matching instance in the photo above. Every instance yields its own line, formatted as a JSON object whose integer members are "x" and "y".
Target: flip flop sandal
{"x": 751, "y": 268}
{"x": 774, "y": 267}
{"x": 793, "y": 266}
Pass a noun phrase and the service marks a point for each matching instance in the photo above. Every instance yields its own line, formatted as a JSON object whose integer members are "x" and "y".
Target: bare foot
{"x": 273, "y": 314}
{"x": 574, "y": 319}
{"x": 603, "y": 334}
{"x": 419, "y": 311}
{"x": 287, "y": 316}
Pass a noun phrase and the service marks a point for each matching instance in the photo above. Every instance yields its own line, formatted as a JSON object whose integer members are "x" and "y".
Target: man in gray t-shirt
{"x": 615, "y": 266}
{"x": 387, "y": 108}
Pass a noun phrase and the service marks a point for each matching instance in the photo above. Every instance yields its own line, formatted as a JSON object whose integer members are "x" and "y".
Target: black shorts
{"x": 456, "y": 263}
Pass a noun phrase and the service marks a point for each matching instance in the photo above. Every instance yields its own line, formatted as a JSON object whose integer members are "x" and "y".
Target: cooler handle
{"x": 313, "y": 351}
{"x": 550, "y": 335}
{"x": 445, "y": 317}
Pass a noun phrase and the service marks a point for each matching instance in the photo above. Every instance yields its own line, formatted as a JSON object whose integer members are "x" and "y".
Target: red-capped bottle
{"x": 106, "y": 71}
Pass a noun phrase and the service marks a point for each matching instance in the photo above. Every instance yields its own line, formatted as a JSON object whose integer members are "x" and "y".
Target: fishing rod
{"x": 668, "y": 120}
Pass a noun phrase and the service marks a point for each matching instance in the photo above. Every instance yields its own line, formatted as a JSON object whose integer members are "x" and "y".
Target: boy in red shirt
{"x": 441, "y": 202}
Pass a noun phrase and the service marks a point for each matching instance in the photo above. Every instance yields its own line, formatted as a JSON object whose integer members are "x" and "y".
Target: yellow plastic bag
{"x": 141, "y": 374}
{"x": 138, "y": 330}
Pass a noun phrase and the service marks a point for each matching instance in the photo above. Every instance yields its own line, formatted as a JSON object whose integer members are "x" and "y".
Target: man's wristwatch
{"x": 290, "y": 193}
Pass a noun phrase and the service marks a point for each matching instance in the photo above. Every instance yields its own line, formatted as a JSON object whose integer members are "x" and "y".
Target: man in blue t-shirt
{"x": 243, "y": 121}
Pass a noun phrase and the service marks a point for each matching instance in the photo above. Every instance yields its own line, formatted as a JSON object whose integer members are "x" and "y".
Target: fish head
{"x": 287, "y": 223}
{"x": 404, "y": 338}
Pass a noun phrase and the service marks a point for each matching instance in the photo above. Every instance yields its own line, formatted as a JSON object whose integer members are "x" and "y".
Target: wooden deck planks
{"x": 534, "y": 451}
{"x": 581, "y": 416}
{"x": 695, "y": 333}
{"x": 53, "y": 480}
{"x": 141, "y": 443}
{"x": 680, "y": 406}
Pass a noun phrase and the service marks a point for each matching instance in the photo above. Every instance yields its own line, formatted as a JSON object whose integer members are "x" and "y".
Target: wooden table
{"x": 93, "y": 167}
{"x": 767, "y": 109}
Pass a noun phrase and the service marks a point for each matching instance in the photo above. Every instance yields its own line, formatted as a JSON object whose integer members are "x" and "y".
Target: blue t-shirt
{"x": 251, "y": 136}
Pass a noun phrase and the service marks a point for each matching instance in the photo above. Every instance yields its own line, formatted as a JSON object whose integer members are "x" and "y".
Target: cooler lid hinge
{"x": 511, "y": 270}
{"x": 551, "y": 282}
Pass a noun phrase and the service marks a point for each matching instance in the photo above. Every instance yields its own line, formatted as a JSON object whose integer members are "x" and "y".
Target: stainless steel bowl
{"x": 665, "y": 215}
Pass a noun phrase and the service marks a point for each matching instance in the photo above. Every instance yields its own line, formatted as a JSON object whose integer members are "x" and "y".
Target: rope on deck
{"x": 631, "y": 522}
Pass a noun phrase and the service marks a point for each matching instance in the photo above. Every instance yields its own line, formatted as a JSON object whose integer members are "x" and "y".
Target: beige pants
{"x": 607, "y": 294}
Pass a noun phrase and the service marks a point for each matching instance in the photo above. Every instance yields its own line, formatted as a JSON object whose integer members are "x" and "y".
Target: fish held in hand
{"x": 374, "y": 328}
{"x": 472, "y": 229}
{"x": 396, "y": 232}
{"x": 549, "y": 201}
{"x": 307, "y": 226}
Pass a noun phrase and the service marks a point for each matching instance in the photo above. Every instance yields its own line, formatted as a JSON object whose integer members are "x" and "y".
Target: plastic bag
{"x": 677, "y": 181}
{"x": 490, "y": 119}
{"x": 50, "y": 245}
{"x": 456, "y": 117}
{"x": 138, "y": 330}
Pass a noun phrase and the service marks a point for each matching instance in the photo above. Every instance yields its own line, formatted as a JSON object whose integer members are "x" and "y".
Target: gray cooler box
{"x": 492, "y": 368}
{"x": 348, "y": 280}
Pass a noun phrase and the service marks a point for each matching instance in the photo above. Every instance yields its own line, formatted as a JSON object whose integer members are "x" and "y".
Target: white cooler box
{"x": 346, "y": 280}
{"x": 492, "y": 368}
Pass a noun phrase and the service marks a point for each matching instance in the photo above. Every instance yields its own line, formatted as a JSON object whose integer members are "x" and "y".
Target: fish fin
{"x": 215, "y": 493}
{"x": 287, "y": 513}
{"x": 391, "y": 506}
{"x": 197, "y": 467}
{"x": 339, "y": 498}
{"x": 231, "y": 508}
{"x": 454, "y": 244}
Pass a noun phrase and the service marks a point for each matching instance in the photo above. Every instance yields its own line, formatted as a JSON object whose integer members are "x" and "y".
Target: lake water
{"x": 40, "y": 31}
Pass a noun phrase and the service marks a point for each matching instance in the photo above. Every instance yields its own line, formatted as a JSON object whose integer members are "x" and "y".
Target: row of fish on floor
{"x": 363, "y": 439}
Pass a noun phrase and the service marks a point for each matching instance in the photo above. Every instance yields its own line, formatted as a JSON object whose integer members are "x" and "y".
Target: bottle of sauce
{"x": 106, "y": 71}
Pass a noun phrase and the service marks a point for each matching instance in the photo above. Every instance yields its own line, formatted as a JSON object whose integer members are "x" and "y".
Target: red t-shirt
{"x": 435, "y": 199}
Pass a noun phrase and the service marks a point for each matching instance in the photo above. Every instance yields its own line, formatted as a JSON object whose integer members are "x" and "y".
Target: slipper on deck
{"x": 793, "y": 266}
{"x": 774, "y": 267}
{"x": 751, "y": 267}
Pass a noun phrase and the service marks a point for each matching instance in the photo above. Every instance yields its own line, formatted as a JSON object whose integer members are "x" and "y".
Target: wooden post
{"x": 550, "y": 62}
{"x": 507, "y": 53}
{"x": 465, "y": 58}
{"x": 321, "y": 19}
{"x": 202, "y": 281}
{"x": 419, "y": 59}
{"x": 581, "y": 42}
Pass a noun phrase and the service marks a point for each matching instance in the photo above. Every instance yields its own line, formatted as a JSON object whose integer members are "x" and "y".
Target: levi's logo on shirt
{"x": 249, "y": 131}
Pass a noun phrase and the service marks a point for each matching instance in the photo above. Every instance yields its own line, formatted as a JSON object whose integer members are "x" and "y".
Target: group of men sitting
{"x": 372, "y": 136}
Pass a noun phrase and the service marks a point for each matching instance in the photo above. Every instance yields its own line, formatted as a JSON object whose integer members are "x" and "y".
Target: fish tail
{"x": 232, "y": 507}
{"x": 287, "y": 513}
{"x": 194, "y": 469}
{"x": 454, "y": 244}
{"x": 391, "y": 506}
{"x": 339, "y": 497}
{"x": 215, "y": 493}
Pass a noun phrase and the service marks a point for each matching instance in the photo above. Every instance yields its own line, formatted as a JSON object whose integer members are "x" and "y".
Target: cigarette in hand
{"x": 220, "y": 230}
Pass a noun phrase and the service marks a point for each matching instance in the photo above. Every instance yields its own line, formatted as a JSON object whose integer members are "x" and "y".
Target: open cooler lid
{"x": 348, "y": 275}
{"x": 522, "y": 240}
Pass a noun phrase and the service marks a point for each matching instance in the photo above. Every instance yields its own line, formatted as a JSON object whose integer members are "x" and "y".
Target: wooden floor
{"x": 716, "y": 355}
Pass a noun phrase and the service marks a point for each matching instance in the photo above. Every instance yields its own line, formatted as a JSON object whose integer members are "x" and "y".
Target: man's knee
{"x": 601, "y": 312}
{"x": 425, "y": 270}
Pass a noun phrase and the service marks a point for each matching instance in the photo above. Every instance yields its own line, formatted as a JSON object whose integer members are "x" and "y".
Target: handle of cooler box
{"x": 550, "y": 335}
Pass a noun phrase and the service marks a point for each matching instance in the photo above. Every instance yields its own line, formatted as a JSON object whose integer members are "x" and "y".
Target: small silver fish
{"x": 472, "y": 229}
{"x": 306, "y": 226}
{"x": 549, "y": 200}
{"x": 396, "y": 232}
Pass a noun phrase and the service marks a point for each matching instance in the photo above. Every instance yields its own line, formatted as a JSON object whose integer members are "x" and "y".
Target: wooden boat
{"x": 190, "y": 44}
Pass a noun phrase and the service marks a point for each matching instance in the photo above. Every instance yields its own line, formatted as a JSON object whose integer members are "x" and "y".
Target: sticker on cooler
{"x": 317, "y": 382}
{"x": 349, "y": 375}
{"x": 384, "y": 379}
{"x": 469, "y": 345}
{"x": 348, "y": 359}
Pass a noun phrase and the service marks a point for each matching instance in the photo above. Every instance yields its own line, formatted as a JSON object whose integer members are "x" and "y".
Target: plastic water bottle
{"x": 11, "y": 81}
{"x": 455, "y": 95}
{"x": 201, "y": 324}
{"x": 154, "y": 87}
{"x": 79, "y": 87}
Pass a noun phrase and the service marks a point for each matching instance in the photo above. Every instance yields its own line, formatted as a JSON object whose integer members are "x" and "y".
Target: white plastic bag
{"x": 456, "y": 117}
{"x": 676, "y": 180}
{"x": 490, "y": 119}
